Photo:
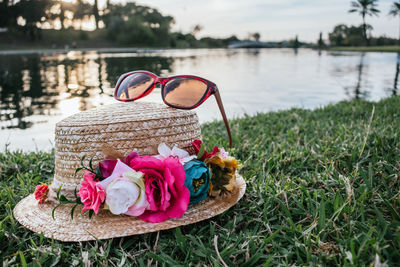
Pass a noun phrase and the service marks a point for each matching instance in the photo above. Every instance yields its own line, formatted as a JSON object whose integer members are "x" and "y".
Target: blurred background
{"x": 61, "y": 57}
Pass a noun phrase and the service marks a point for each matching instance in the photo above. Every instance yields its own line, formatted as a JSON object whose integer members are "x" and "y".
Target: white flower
{"x": 125, "y": 192}
{"x": 165, "y": 152}
{"x": 121, "y": 194}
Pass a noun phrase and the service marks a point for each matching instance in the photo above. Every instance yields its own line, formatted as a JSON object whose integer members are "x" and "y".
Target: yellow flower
{"x": 223, "y": 173}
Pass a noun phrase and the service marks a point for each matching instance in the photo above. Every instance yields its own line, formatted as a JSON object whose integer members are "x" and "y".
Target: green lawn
{"x": 323, "y": 188}
{"x": 392, "y": 48}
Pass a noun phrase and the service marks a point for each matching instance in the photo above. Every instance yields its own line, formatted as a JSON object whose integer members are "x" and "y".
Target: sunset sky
{"x": 273, "y": 19}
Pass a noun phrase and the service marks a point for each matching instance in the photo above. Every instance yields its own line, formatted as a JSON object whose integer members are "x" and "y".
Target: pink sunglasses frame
{"x": 211, "y": 90}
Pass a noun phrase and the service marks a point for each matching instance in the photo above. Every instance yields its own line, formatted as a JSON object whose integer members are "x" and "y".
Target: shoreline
{"x": 382, "y": 49}
{"x": 30, "y": 51}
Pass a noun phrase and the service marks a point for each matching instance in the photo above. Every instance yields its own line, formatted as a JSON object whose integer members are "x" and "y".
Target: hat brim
{"x": 104, "y": 225}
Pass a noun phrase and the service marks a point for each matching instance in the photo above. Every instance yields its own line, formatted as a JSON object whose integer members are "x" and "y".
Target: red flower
{"x": 108, "y": 165}
{"x": 41, "y": 192}
{"x": 197, "y": 145}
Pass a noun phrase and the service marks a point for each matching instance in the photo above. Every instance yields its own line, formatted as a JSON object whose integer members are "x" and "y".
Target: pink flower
{"x": 91, "y": 193}
{"x": 41, "y": 192}
{"x": 166, "y": 193}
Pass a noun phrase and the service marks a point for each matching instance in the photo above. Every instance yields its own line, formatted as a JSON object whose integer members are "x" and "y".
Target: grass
{"x": 388, "y": 48}
{"x": 323, "y": 188}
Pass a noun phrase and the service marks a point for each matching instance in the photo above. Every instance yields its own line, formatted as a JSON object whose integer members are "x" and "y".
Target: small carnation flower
{"x": 41, "y": 193}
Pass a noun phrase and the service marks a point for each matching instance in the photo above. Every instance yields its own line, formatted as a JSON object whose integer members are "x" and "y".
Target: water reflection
{"x": 35, "y": 84}
{"x": 38, "y": 90}
{"x": 357, "y": 89}
{"x": 396, "y": 76}
{"x": 23, "y": 92}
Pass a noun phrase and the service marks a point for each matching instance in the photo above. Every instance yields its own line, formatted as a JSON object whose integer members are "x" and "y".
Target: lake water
{"x": 39, "y": 89}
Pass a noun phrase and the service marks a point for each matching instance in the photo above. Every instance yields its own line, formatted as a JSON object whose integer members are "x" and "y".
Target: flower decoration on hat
{"x": 152, "y": 188}
{"x": 125, "y": 191}
{"x": 222, "y": 168}
{"x": 223, "y": 173}
{"x": 91, "y": 194}
{"x": 41, "y": 193}
{"x": 180, "y": 154}
{"x": 166, "y": 192}
{"x": 197, "y": 180}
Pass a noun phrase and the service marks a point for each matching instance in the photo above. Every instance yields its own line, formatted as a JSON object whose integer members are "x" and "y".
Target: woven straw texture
{"x": 106, "y": 225}
{"x": 124, "y": 127}
{"x": 121, "y": 128}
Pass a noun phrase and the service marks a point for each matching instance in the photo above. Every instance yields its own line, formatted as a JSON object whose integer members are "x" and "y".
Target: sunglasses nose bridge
{"x": 161, "y": 81}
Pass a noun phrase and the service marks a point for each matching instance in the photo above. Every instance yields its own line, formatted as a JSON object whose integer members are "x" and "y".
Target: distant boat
{"x": 250, "y": 44}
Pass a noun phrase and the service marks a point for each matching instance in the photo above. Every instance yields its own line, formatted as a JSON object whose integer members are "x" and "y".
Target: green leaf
{"x": 58, "y": 192}
{"x": 98, "y": 174}
{"x": 22, "y": 257}
{"x": 77, "y": 170}
{"x": 75, "y": 194}
{"x": 321, "y": 218}
{"x": 64, "y": 200}
{"x": 91, "y": 214}
{"x": 202, "y": 150}
{"x": 72, "y": 211}
{"x": 90, "y": 164}
{"x": 54, "y": 209}
{"x": 83, "y": 165}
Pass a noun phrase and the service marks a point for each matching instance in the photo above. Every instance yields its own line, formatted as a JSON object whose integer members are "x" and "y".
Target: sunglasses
{"x": 181, "y": 92}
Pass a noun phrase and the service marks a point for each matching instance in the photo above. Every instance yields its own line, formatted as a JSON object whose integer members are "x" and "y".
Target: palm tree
{"x": 364, "y": 8}
{"x": 395, "y": 11}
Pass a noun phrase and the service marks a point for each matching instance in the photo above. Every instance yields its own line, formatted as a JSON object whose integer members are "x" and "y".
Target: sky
{"x": 274, "y": 19}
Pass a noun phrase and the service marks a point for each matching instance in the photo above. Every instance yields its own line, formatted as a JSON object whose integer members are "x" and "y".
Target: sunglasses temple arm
{"x": 221, "y": 108}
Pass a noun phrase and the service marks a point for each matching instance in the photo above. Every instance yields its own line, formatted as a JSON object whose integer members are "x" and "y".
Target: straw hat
{"x": 122, "y": 127}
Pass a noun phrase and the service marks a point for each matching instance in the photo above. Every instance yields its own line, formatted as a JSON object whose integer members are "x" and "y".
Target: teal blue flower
{"x": 197, "y": 180}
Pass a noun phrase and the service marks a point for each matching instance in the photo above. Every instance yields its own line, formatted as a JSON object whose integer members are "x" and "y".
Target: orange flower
{"x": 223, "y": 173}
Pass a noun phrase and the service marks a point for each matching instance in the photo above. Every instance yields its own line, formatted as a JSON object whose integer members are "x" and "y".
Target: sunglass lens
{"x": 184, "y": 92}
{"x": 134, "y": 86}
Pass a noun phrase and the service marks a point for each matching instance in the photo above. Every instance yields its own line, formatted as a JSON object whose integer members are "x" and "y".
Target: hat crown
{"x": 123, "y": 127}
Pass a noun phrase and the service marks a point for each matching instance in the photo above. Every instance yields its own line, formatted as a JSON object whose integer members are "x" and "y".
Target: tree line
{"x": 343, "y": 35}
{"x": 124, "y": 24}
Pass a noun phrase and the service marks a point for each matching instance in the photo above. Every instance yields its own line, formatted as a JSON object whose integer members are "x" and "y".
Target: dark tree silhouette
{"x": 320, "y": 41}
{"x": 396, "y": 77}
{"x": 33, "y": 12}
{"x": 364, "y": 8}
{"x": 96, "y": 13}
{"x": 395, "y": 12}
{"x": 256, "y": 36}
{"x": 82, "y": 11}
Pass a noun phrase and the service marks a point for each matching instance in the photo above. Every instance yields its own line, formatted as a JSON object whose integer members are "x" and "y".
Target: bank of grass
{"x": 322, "y": 187}
{"x": 389, "y": 48}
